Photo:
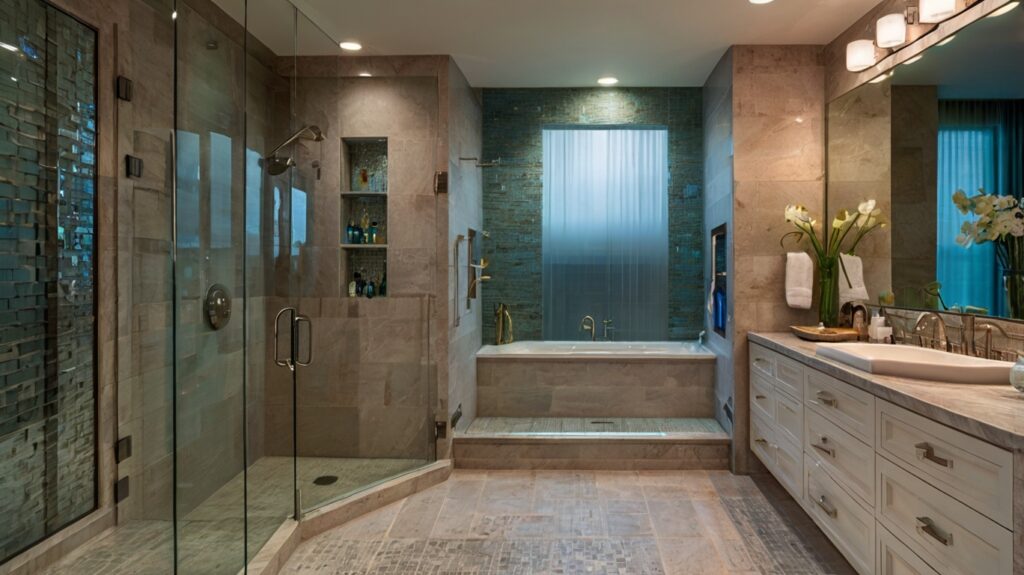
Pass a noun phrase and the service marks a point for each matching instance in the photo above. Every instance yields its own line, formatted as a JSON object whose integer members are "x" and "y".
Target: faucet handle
{"x": 606, "y": 321}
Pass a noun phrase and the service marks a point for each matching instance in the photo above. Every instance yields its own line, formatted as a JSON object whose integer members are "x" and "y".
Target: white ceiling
{"x": 559, "y": 43}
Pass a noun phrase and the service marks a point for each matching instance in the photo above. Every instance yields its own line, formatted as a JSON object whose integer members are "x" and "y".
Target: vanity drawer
{"x": 847, "y": 459}
{"x": 789, "y": 467}
{"x": 789, "y": 418}
{"x": 943, "y": 531}
{"x": 762, "y": 361}
{"x": 895, "y": 558}
{"x": 789, "y": 375}
{"x": 850, "y": 527}
{"x": 848, "y": 407}
{"x": 977, "y": 473}
{"x": 762, "y": 397}
{"x": 762, "y": 439}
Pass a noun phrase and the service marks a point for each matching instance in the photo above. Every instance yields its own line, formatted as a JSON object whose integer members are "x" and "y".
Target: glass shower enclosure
{"x": 250, "y": 386}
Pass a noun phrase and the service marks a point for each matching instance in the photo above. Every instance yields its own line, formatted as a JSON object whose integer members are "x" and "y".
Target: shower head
{"x": 277, "y": 165}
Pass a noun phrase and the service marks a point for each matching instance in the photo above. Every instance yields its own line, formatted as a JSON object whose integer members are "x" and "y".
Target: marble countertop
{"x": 994, "y": 413}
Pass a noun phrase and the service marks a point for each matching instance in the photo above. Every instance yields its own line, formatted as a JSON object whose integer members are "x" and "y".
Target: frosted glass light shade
{"x": 891, "y": 31}
{"x": 860, "y": 55}
{"x": 933, "y": 11}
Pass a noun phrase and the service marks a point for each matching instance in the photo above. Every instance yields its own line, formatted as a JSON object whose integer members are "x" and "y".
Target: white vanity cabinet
{"x": 896, "y": 492}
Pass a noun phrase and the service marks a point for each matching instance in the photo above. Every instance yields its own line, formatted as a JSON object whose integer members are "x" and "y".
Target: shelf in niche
{"x": 366, "y": 194}
{"x": 364, "y": 246}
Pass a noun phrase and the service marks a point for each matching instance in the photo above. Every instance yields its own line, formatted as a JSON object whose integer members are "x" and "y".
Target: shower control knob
{"x": 218, "y": 306}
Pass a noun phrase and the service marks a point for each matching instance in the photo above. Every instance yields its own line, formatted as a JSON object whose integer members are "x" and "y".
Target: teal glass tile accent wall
{"x": 513, "y": 191}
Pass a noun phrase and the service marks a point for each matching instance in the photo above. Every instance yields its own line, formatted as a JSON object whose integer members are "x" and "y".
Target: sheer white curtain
{"x": 605, "y": 232}
{"x": 966, "y": 162}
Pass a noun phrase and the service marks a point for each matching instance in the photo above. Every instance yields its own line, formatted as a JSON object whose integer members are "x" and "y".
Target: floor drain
{"x": 325, "y": 480}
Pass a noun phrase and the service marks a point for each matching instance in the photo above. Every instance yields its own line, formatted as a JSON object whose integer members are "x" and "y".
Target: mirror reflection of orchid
{"x": 998, "y": 220}
{"x": 848, "y": 229}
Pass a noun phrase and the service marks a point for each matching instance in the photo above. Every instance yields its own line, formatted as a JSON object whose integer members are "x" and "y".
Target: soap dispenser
{"x": 1017, "y": 375}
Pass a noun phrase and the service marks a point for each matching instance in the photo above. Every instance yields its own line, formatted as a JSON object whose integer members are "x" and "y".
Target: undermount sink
{"x": 918, "y": 363}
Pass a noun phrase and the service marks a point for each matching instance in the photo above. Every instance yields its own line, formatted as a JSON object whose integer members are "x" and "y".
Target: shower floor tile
{"x": 210, "y": 537}
{"x": 593, "y": 426}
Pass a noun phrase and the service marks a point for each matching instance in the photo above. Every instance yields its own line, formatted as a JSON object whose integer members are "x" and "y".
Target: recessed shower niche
{"x": 364, "y": 216}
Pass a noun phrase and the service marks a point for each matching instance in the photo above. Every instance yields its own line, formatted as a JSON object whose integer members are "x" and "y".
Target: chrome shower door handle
{"x": 289, "y": 361}
{"x": 304, "y": 320}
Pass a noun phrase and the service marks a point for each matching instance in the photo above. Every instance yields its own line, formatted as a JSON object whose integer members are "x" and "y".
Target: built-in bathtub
{"x": 595, "y": 379}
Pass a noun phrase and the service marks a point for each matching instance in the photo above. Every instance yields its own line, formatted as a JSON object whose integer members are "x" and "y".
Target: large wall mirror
{"x": 952, "y": 121}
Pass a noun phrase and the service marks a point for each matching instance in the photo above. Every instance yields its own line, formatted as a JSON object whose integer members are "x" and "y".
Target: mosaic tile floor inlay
{"x": 579, "y": 522}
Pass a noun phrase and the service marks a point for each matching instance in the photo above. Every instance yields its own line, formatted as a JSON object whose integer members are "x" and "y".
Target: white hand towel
{"x": 854, "y": 289}
{"x": 799, "y": 280}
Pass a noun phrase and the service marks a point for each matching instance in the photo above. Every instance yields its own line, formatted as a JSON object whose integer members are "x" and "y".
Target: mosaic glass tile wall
{"x": 47, "y": 283}
{"x": 513, "y": 191}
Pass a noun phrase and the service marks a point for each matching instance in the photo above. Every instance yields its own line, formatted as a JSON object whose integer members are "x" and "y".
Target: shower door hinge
{"x": 123, "y": 449}
{"x": 121, "y": 489}
{"x": 440, "y": 429}
{"x": 441, "y": 183}
{"x": 124, "y": 89}
{"x": 132, "y": 166}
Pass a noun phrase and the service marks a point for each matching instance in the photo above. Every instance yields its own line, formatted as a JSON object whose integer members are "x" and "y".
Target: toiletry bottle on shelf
{"x": 371, "y": 290}
{"x": 352, "y": 287}
{"x": 364, "y": 222}
{"x": 718, "y": 307}
{"x": 350, "y": 232}
{"x": 373, "y": 232}
{"x": 383, "y": 285}
{"x": 364, "y": 179}
{"x": 359, "y": 283}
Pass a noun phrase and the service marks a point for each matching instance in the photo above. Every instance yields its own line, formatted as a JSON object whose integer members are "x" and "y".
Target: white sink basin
{"x": 917, "y": 363}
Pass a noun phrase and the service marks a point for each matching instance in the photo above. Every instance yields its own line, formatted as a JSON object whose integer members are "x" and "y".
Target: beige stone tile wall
{"x": 778, "y": 110}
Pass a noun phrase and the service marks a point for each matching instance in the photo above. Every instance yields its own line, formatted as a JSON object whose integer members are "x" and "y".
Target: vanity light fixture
{"x": 13, "y": 79}
{"x": 365, "y": 75}
{"x": 608, "y": 81}
{"x": 350, "y": 46}
{"x": 8, "y": 47}
{"x": 891, "y": 30}
{"x": 935, "y": 11}
{"x": 914, "y": 60}
{"x": 1005, "y": 9}
{"x": 760, "y": 1}
{"x": 860, "y": 55}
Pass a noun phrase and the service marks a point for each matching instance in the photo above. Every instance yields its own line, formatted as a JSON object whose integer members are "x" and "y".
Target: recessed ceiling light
{"x": 1004, "y": 9}
{"x": 351, "y": 46}
{"x": 13, "y": 79}
{"x": 174, "y": 15}
{"x": 947, "y": 40}
{"x": 365, "y": 75}
{"x": 8, "y": 47}
{"x": 608, "y": 81}
{"x": 760, "y": 1}
{"x": 914, "y": 60}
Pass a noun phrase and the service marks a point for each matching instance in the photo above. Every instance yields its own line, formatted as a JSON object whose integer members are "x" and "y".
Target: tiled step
{"x": 600, "y": 443}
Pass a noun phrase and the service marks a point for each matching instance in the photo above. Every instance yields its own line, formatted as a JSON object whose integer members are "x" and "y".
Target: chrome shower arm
{"x": 315, "y": 134}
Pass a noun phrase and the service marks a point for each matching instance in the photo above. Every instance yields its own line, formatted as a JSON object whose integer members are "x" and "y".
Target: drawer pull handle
{"x": 761, "y": 441}
{"x": 926, "y": 451}
{"x": 763, "y": 363}
{"x": 827, "y": 507}
{"x": 826, "y": 398}
{"x": 927, "y": 526}
{"x": 829, "y": 451}
{"x": 760, "y": 397}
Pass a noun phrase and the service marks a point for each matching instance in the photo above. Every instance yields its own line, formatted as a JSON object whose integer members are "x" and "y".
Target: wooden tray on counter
{"x": 826, "y": 335}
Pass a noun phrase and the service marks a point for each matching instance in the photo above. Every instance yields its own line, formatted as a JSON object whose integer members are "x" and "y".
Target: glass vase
{"x": 828, "y": 291}
{"x": 1013, "y": 280}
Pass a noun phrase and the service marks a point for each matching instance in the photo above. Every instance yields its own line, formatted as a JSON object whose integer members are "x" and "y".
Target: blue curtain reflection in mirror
{"x": 605, "y": 231}
{"x": 981, "y": 146}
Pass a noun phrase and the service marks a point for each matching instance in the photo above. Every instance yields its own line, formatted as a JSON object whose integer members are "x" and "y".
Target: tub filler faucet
{"x": 588, "y": 325}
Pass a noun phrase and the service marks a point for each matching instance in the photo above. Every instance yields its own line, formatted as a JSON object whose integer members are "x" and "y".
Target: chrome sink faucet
{"x": 588, "y": 324}
{"x": 988, "y": 327}
{"x": 938, "y": 331}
